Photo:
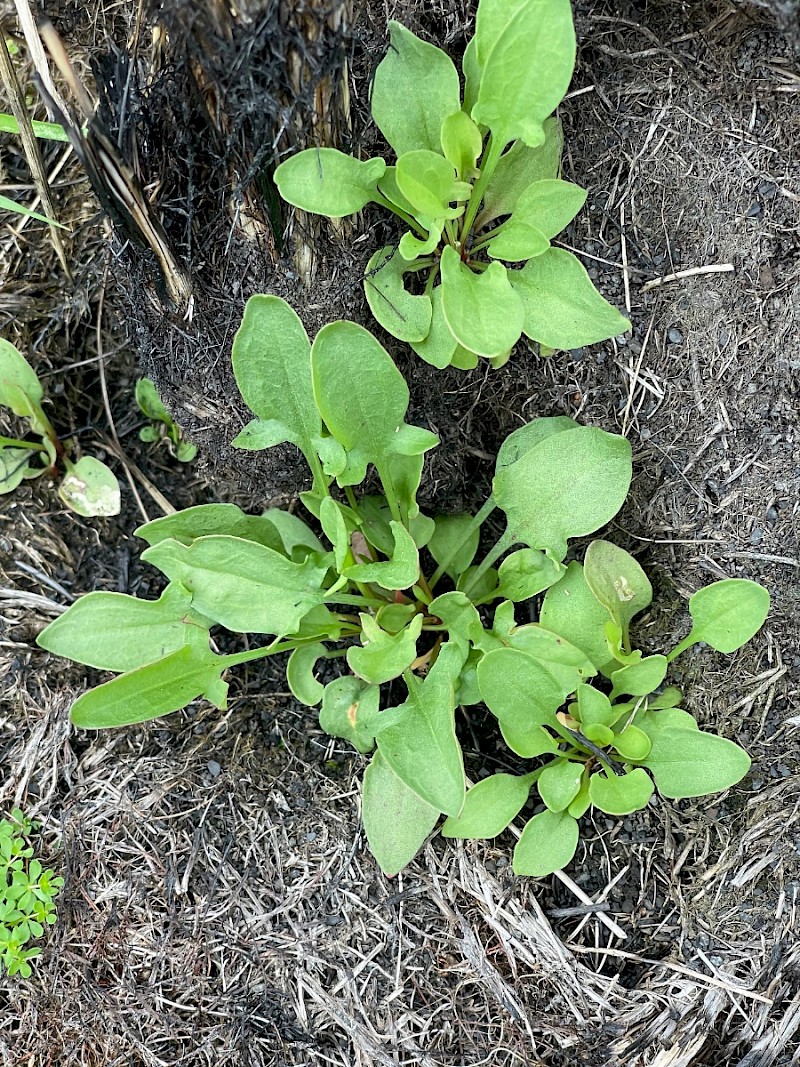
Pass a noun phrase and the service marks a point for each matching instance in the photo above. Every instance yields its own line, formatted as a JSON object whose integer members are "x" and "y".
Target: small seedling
{"x": 87, "y": 487}
{"x": 396, "y": 599}
{"x": 27, "y": 896}
{"x": 477, "y": 182}
{"x": 163, "y": 426}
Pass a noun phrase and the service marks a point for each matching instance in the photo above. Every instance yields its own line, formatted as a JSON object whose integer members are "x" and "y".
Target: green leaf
{"x": 428, "y": 181}
{"x": 632, "y": 743}
{"x": 472, "y": 75}
{"x": 640, "y": 679}
{"x": 726, "y": 614}
{"x": 153, "y": 690}
{"x": 404, "y": 315}
{"x": 384, "y": 656}
{"x": 327, "y": 182}
{"x": 459, "y": 615}
{"x": 422, "y": 748}
{"x": 617, "y": 582}
{"x": 548, "y": 843}
{"x": 300, "y": 673}
{"x": 206, "y": 519}
{"x": 561, "y": 307}
{"x": 526, "y": 740}
{"x": 527, "y": 62}
{"x": 461, "y": 143}
{"x": 598, "y": 734}
{"x": 559, "y": 783}
{"x": 549, "y": 204}
{"x": 527, "y": 437}
{"x": 272, "y": 367}
{"x": 116, "y": 632}
{"x": 621, "y": 794}
{"x": 454, "y": 544}
{"x": 7, "y": 204}
{"x": 567, "y": 663}
{"x": 399, "y": 572}
{"x": 692, "y": 763}
{"x": 483, "y": 311}
{"x": 295, "y": 538}
{"x": 350, "y": 709}
{"x": 415, "y": 88}
{"x": 463, "y": 359}
{"x": 412, "y": 247}
{"x": 518, "y": 690}
{"x": 489, "y": 807}
{"x": 150, "y": 403}
{"x": 13, "y": 467}
{"x": 570, "y": 610}
{"x": 89, "y": 488}
{"x": 594, "y": 707}
{"x": 653, "y": 723}
{"x": 362, "y": 398}
{"x": 518, "y": 241}
{"x": 525, "y": 573}
{"x": 394, "y": 617}
{"x": 405, "y": 474}
{"x": 569, "y": 485}
{"x": 391, "y": 190}
{"x": 396, "y": 820}
{"x": 241, "y": 584}
{"x": 517, "y": 169}
{"x": 485, "y": 586}
{"x": 334, "y": 526}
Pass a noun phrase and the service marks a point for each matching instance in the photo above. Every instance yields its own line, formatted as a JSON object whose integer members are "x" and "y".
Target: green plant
{"x": 27, "y": 896}
{"x": 150, "y": 404}
{"x": 368, "y": 592}
{"x": 88, "y": 487}
{"x": 477, "y": 184}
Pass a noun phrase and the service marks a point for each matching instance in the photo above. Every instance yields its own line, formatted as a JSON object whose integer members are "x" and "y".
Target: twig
{"x": 692, "y": 272}
{"x": 678, "y": 968}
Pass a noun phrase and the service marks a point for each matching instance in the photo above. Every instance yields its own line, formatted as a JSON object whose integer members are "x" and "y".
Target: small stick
{"x": 692, "y": 272}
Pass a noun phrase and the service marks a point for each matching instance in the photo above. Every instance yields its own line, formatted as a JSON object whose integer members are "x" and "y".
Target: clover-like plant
{"x": 476, "y": 180}
{"x": 162, "y": 426}
{"x": 393, "y": 603}
{"x": 27, "y": 896}
{"x": 87, "y": 487}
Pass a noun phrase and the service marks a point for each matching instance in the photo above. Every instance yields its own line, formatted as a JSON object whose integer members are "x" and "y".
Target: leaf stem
{"x": 476, "y": 524}
{"x": 682, "y": 646}
{"x": 504, "y": 543}
{"x": 408, "y": 219}
{"x": 494, "y": 149}
{"x": 14, "y": 442}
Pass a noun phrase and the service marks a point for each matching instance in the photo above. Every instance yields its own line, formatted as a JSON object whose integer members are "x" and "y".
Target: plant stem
{"x": 505, "y": 542}
{"x": 408, "y": 219}
{"x": 494, "y": 149}
{"x": 356, "y": 601}
{"x": 687, "y": 642}
{"x": 14, "y": 442}
{"x": 476, "y": 524}
{"x": 486, "y": 238}
{"x": 388, "y": 489}
{"x": 434, "y": 274}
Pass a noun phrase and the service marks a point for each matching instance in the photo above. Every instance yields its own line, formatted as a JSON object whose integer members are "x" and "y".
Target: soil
{"x": 220, "y": 904}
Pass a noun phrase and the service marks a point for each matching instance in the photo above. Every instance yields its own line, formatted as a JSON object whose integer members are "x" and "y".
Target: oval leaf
{"x": 90, "y": 488}
{"x": 489, "y": 807}
{"x": 415, "y": 88}
{"x": 428, "y": 181}
{"x": 570, "y": 610}
{"x": 561, "y": 307}
{"x": 328, "y": 182}
{"x": 396, "y": 821}
{"x": 517, "y": 169}
{"x": 514, "y": 97}
{"x": 482, "y": 310}
{"x": 547, "y": 844}
{"x": 559, "y": 783}
{"x": 272, "y": 367}
{"x": 517, "y": 689}
{"x": 567, "y": 486}
{"x": 727, "y": 614}
{"x": 617, "y": 582}
{"x": 17, "y": 377}
{"x": 350, "y": 709}
{"x": 300, "y": 673}
{"x": 621, "y": 794}
{"x": 116, "y": 632}
{"x": 404, "y": 315}
{"x": 692, "y": 763}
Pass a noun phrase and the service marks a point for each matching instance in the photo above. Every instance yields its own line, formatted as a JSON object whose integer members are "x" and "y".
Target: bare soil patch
{"x": 220, "y": 906}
